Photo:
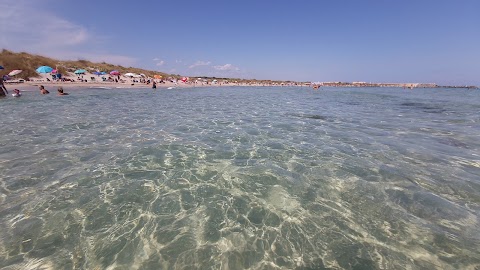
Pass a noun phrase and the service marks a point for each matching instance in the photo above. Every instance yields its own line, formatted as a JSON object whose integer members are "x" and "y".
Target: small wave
{"x": 425, "y": 107}
{"x": 311, "y": 116}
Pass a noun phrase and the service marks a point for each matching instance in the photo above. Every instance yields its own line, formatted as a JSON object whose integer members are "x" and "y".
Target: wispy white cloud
{"x": 111, "y": 59}
{"x": 25, "y": 25}
{"x": 226, "y": 67}
{"x": 159, "y": 62}
{"x": 200, "y": 63}
{"x": 206, "y": 68}
{"x": 31, "y": 27}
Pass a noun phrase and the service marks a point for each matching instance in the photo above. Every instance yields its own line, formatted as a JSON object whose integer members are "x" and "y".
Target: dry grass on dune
{"x": 30, "y": 62}
{"x": 24, "y": 61}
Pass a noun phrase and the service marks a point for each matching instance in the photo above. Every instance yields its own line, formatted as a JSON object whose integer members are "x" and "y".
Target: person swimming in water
{"x": 16, "y": 93}
{"x": 43, "y": 91}
{"x": 60, "y": 92}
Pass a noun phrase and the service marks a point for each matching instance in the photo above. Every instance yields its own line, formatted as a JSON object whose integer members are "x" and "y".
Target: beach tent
{"x": 80, "y": 71}
{"x": 157, "y": 76}
{"x": 44, "y": 69}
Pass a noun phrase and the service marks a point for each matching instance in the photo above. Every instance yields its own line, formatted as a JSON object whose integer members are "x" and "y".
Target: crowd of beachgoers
{"x": 48, "y": 77}
{"x": 107, "y": 81}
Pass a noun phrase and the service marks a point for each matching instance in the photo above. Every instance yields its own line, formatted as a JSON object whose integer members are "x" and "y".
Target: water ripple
{"x": 241, "y": 178}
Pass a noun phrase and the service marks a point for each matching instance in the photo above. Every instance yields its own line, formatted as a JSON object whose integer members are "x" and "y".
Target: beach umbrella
{"x": 1, "y": 67}
{"x": 97, "y": 73}
{"x": 80, "y": 71}
{"x": 103, "y": 73}
{"x": 54, "y": 71}
{"x": 129, "y": 74}
{"x": 14, "y": 72}
{"x": 44, "y": 69}
{"x": 114, "y": 72}
{"x": 157, "y": 76}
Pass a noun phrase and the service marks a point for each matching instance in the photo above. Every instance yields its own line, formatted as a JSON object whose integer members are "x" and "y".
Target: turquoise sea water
{"x": 241, "y": 178}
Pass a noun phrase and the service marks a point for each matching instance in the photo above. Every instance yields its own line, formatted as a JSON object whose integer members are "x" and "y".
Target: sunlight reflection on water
{"x": 235, "y": 178}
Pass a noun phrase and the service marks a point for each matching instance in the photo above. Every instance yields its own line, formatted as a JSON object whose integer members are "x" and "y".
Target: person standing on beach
{"x": 43, "y": 91}
{"x": 3, "y": 89}
{"x": 154, "y": 85}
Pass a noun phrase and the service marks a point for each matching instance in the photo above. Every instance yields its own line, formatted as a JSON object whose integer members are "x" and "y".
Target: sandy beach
{"x": 34, "y": 83}
{"x": 52, "y": 86}
{"x": 92, "y": 81}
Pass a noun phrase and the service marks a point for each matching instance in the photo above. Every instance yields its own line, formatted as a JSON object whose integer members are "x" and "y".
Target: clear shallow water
{"x": 235, "y": 178}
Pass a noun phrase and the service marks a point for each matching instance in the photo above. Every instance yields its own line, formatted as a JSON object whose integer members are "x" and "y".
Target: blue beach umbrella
{"x": 1, "y": 67}
{"x": 44, "y": 69}
{"x": 97, "y": 73}
{"x": 80, "y": 71}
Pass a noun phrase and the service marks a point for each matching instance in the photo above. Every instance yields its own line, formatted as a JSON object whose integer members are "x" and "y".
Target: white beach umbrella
{"x": 14, "y": 72}
{"x": 129, "y": 74}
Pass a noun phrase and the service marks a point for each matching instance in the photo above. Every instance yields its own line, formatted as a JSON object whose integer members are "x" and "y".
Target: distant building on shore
{"x": 370, "y": 84}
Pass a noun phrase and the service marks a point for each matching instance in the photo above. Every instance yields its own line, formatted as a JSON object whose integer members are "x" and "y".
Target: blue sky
{"x": 374, "y": 41}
